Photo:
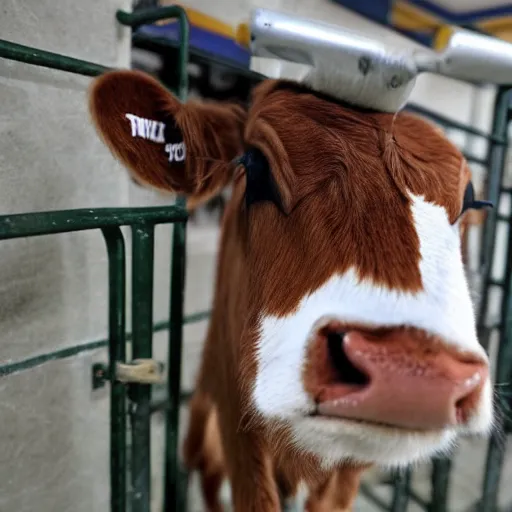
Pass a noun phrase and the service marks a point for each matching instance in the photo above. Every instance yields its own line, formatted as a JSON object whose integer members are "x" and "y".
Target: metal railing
{"x": 142, "y": 222}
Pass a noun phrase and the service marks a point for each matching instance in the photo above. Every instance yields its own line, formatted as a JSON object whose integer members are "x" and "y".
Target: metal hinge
{"x": 139, "y": 371}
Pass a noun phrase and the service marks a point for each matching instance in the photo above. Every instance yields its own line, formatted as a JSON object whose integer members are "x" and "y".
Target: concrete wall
{"x": 54, "y": 430}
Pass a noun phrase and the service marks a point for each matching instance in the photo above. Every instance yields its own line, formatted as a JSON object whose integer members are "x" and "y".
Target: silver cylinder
{"x": 474, "y": 57}
{"x": 367, "y": 73}
{"x": 346, "y": 64}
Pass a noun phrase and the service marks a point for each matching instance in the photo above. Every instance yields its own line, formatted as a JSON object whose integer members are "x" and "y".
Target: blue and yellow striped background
{"x": 420, "y": 19}
{"x": 417, "y": 19}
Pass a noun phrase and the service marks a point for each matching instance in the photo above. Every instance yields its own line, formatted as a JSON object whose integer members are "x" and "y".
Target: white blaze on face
{"x": 442, "y": 308}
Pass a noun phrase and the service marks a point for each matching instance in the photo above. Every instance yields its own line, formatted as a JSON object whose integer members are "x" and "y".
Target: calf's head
{"x": 360, "y": 334}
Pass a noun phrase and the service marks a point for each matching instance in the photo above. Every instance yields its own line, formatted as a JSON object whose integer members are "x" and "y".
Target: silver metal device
{"x": 366, "y": 72}
{"x": 474, "y": 57}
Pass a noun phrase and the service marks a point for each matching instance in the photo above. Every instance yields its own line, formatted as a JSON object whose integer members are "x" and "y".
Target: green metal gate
{"x": 129, "y": 458}
{"x": 131, "y": 396}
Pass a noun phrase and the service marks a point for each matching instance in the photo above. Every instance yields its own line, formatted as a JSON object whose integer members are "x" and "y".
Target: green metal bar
{"x": 162, "y": 46}
{"x": 37, "y": 57}
{"x": 189, "y": 319}
{"x": 401, "y": 491}
{"x": 172, "y": 472}
{"x": 117, "y": 352}
{"x": 146, "y": 16}
{"x": 445, "y": 121}
{"x": 172, "y": 475}
{"x": 441, "y": 468}
{"x": 183, "y": 491}
{"x": 33, "y": 362}
{"x": 476, "y": 160}
{"x": 496, "y": 451}
{"x": 47, "y": 223}
{"x": 496, "y": 158}
{"x": 140, "y": 394}
{"x": 197, "y": 317}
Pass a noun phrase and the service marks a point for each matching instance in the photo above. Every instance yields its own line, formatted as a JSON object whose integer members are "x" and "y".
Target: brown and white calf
{"x": 342, "y": 332}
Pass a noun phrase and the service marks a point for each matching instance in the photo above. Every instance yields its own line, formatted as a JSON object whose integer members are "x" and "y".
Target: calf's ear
{"x": 184, "y": 148}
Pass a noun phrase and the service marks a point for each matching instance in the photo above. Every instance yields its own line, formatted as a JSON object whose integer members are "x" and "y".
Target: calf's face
{"x": 361, "y": 336}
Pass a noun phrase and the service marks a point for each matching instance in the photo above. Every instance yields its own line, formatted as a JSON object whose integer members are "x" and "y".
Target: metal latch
{"x": 138, "y": 371}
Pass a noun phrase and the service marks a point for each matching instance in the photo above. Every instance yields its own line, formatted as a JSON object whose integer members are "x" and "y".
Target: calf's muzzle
{"x": 399, "y": 377}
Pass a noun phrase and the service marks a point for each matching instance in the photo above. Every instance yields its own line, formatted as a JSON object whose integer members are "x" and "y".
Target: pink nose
{"x": 401, "y": 379}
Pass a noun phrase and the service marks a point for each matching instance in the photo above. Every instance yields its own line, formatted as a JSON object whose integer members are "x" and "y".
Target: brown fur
{"x": 336, "y": 168}
{"x": 211, "y": 132}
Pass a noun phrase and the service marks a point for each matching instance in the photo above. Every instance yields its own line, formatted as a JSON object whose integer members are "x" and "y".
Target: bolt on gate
{"x": 131, "y": 381}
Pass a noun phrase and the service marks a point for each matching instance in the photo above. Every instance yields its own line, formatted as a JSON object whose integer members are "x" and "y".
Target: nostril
{"x": 346, "y": 372}
{"x": 465, "y": 405}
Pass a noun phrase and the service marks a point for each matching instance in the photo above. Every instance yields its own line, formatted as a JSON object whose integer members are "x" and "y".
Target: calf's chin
{"x": 339, "y": 441}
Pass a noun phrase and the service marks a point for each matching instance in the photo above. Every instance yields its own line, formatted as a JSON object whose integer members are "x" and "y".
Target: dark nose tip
{"x": 400, "y": 379}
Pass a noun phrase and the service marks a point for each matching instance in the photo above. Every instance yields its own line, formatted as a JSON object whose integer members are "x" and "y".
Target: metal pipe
{"x": 47, "y": 223}
{"x": 63, "y": 353}
{"x": 496, "y": 450}
{"x": 496, "y": 158}
{"x": 140, "y": 394}
{"x": 145, "y": 16}
{"x": 117, "y": 352}
{"x": 37, "y": 57}
{"x": 173, "y": 492}
{"x": 359, "y": 64}
{"x": 441, "y": 471}
{"x": 401, "y": 491}
{"x": 472, "y": 56}
{"x": 369, "y": 73}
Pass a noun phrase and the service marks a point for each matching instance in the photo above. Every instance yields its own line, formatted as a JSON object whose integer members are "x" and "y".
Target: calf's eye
{"x": 261, "y": 185}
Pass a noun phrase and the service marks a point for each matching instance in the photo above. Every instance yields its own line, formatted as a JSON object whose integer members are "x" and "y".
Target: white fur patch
{"x": 442, "y": 308}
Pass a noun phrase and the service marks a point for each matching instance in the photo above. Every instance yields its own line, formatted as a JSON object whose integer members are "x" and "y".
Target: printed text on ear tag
{"x": 147, "y": 128}
{"x": 155, "y": 131}
{"x": 176, "y": 152}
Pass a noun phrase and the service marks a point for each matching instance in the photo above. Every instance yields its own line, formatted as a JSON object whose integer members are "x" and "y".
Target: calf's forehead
{"x": 308, "y": 138}
{"x": 357, "y": 201}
